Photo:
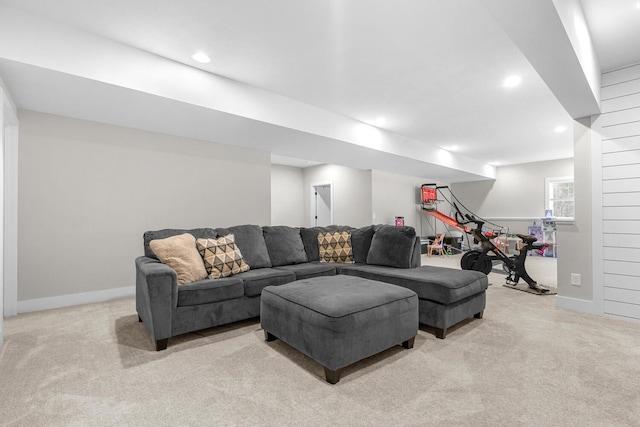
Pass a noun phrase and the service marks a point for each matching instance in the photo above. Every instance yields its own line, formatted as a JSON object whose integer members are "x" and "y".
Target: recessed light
{"x": 512, "y": 81}
{"x": 201, "y": 57}
{"x": 380, "y": 121}
{"x": 560, "y": 129}
{"x": 445, "y": 157}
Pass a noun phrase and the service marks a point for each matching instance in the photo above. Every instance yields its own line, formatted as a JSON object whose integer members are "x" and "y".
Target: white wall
{"x": 617, "y": 215}
{"x": 287, "y": 196}
{"x": 88, "y": 191}
{"x": 516, "y": 197}
{"x": 399, "y": 195}
{"x": 351, "y": 193}
{"x": 358, "y": 195}
{"x": 604, "y": 244}
{"x": 575, "y": 239}
{"x": 8, "y": 208}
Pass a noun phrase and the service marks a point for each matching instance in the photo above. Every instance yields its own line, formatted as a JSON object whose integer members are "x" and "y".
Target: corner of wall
{"x": 575, "y": 240}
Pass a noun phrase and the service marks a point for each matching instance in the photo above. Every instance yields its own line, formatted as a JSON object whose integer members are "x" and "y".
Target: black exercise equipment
{"x": 483, "y": 258}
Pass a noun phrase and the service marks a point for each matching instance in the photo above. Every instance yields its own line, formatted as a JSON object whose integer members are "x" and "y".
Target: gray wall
{"x": 287, "y": 196}
{"x": 575, "y": 239}
{"x": 399, "y": 195}
{"x": 87, "y": 192}
{"x": 351, "y": 193}
{"x": 516, "y": 197}
{"x": 360, "y": 197}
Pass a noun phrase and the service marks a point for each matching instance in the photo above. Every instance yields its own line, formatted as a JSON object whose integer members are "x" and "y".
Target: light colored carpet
{"x": 526, "y": 363}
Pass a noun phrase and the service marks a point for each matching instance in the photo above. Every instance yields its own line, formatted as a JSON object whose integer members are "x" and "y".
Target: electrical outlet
{"x": 374, "y": 215}
{"x": 575, "y": 279}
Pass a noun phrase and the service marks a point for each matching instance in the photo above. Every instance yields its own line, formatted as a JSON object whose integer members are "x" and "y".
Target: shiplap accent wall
{"x": 620, "y": 129}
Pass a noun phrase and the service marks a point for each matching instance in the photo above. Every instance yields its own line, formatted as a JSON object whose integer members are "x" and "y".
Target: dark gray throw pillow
{"x": 392, "y": 246}
{"x": 310, "y": 241}
{"x": 250, "y": 241}
{"x": 284, "y": 245}
{"x": 361, "y": 242}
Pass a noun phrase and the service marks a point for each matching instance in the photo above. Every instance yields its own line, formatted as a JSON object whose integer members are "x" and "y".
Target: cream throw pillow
{"x": 221, "y": 256}
{"x": 180, "y": 253}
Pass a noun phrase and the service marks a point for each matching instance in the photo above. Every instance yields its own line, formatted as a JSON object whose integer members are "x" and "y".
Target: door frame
{"x": 312, "y": 212}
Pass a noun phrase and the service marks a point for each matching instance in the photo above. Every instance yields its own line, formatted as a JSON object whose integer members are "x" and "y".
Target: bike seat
{"x": 527, "y": 239}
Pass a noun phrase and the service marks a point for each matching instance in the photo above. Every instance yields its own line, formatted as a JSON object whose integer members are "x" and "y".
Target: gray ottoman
{"x": 338, "y": 320}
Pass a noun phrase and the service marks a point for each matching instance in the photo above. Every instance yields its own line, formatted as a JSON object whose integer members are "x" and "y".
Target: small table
{"x": 339, "y": 320}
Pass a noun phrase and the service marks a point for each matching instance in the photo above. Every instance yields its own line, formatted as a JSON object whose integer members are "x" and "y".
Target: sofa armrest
{"x": 156, "y": 295}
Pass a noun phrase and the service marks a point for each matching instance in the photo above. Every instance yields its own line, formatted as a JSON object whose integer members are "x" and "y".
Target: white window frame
{"x": 547, "y": 193}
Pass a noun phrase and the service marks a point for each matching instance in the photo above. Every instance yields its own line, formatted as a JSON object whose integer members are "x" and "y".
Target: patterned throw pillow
{"x": 335, "y": 247}
{"x": 221, "y": 256}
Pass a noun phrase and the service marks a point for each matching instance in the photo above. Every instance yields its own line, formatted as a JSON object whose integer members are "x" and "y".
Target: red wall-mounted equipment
{"x": 429, "y": 193}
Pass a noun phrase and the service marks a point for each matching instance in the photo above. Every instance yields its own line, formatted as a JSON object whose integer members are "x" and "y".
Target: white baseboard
{"x": 49, "y": 303}
{"x": 575, "y": 304}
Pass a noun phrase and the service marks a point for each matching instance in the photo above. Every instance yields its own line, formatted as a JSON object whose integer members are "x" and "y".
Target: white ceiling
{"x": 432, "y": 68}
{"x": 615, "y": 30}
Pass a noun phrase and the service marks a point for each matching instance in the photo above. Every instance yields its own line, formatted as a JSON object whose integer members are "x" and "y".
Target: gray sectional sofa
{"x": 280, "y": 254}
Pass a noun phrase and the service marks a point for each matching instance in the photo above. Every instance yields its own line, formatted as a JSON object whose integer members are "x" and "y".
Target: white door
{"x": 321, "y": 204}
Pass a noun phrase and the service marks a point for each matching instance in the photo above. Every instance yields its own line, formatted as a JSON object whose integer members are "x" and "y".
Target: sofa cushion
{"x": 198, "y": 233}
{"x": 255, "y": 280}
{"x": 392, "y": 246}
{"x": 179, "y": 252}
{"x": 250, "y": 241}
{"x": 439, "y": 284}
{"x": 361, "y": 242}
{"x": 310, "y": 239}
{"x": 284, "y": 245}
{"x": 335, "y": 247}
{"x": 209, "y": 290}
{"x": 310, "y": 269}
{"x": 221, "y": 257}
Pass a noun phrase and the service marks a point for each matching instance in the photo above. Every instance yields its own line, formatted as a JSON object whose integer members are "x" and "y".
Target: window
{"x": 559, "y": 196}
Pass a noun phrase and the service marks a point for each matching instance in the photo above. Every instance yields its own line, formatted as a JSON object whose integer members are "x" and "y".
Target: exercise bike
{"x": 482, "y": 259}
